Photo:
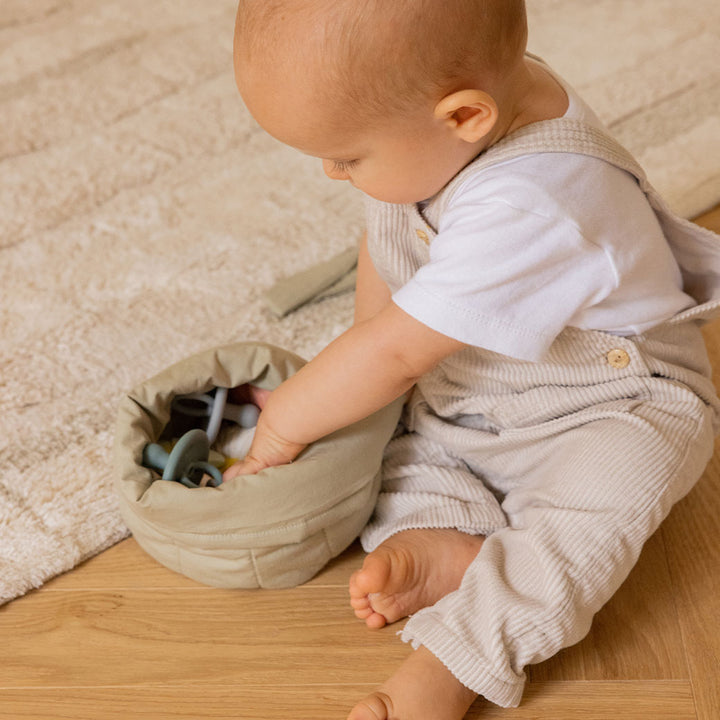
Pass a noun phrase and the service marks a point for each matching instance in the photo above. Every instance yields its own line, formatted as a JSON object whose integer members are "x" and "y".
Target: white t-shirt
{"x": 542, "y": 242}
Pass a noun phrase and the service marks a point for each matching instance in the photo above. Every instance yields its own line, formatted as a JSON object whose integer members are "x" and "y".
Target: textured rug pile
{"x": 143, "y": 213}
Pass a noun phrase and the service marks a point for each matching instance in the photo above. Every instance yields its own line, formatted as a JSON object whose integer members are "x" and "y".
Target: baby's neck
{"x": 529, "y": 94}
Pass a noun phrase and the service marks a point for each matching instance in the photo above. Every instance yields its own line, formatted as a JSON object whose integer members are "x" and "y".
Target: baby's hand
{"x": 267, "y": 450}
{"x": 249, "y": 394}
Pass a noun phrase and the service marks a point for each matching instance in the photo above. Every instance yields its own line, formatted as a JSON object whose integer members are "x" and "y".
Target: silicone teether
{"x": 216, "y": 409}
{"x": 186, "y": 463}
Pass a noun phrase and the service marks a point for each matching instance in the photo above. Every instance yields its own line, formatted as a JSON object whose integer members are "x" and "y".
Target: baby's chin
{"x": 394, "y": 197}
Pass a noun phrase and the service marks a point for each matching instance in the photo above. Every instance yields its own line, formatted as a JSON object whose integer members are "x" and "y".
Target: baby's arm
{"x": 375, "y": 361}
{"x": 367, "y": 367}
{"x": 371, "y": 292}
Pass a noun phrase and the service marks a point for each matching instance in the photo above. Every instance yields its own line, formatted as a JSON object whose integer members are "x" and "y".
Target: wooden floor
{"x": 122, "y": 637}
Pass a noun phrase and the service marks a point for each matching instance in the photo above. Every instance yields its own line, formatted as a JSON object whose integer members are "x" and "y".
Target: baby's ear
{"x": 471, "y": 114}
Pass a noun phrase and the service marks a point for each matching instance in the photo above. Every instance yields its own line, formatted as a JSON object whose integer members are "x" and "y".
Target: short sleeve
{"x": 506, "y": 278}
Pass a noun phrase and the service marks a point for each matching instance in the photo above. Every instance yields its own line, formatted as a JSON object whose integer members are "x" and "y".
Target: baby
{"x": 519, "y": 284}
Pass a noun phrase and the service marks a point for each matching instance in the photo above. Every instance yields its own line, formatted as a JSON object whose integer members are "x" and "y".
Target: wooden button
{"x": 618, "y": 358}
{"x": 422, "y": 235}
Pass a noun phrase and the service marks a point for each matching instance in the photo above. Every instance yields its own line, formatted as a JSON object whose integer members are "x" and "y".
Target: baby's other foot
{"x": 422, "y": 689}
{"x": 409, "y": 571}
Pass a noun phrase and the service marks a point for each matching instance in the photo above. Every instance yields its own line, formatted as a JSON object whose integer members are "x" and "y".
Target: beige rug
{"x": 142, "y": 213}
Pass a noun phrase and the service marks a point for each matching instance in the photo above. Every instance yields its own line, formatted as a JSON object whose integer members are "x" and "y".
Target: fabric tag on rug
{"x": 332, "y": 277}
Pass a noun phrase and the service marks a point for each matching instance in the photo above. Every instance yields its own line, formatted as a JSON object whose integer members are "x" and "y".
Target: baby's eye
{"x": 342, "y": 166}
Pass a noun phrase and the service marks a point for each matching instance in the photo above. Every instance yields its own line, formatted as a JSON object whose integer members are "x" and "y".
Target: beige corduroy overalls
{"x": 567, "y": 465}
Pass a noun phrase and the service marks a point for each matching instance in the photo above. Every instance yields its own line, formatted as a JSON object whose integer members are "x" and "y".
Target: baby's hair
{"x": 387, "y": 55}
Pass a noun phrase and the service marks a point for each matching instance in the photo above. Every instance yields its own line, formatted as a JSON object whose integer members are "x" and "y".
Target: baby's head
{"x": 394, "y": 95}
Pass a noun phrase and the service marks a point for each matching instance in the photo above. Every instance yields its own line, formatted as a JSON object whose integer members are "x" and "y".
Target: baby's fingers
{"x": 248, "y": 466}
{"x": 249, "y": 394}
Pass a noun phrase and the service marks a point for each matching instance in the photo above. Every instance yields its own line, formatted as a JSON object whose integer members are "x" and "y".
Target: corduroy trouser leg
{"x": 567, "y": 483}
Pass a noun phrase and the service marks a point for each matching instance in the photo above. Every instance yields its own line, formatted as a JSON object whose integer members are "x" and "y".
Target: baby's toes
{"x": 361, "y": 606}
{"x": 374, "y": 707}
{"x": 359, "y": 603}
{"x": 375, "y": 620}
{"x": 364, "y": 614}
{"x": 356, "y": 586}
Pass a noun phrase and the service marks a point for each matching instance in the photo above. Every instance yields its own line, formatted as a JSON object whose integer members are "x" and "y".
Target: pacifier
{"x": 187, "y": 463}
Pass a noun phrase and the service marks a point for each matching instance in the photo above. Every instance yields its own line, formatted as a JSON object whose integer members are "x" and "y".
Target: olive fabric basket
{"x": 275, "y": 529}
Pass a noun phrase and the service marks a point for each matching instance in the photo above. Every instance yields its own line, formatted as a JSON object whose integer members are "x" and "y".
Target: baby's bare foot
{"x": 409, "y": 571}
{"x": 423, "y": 688}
